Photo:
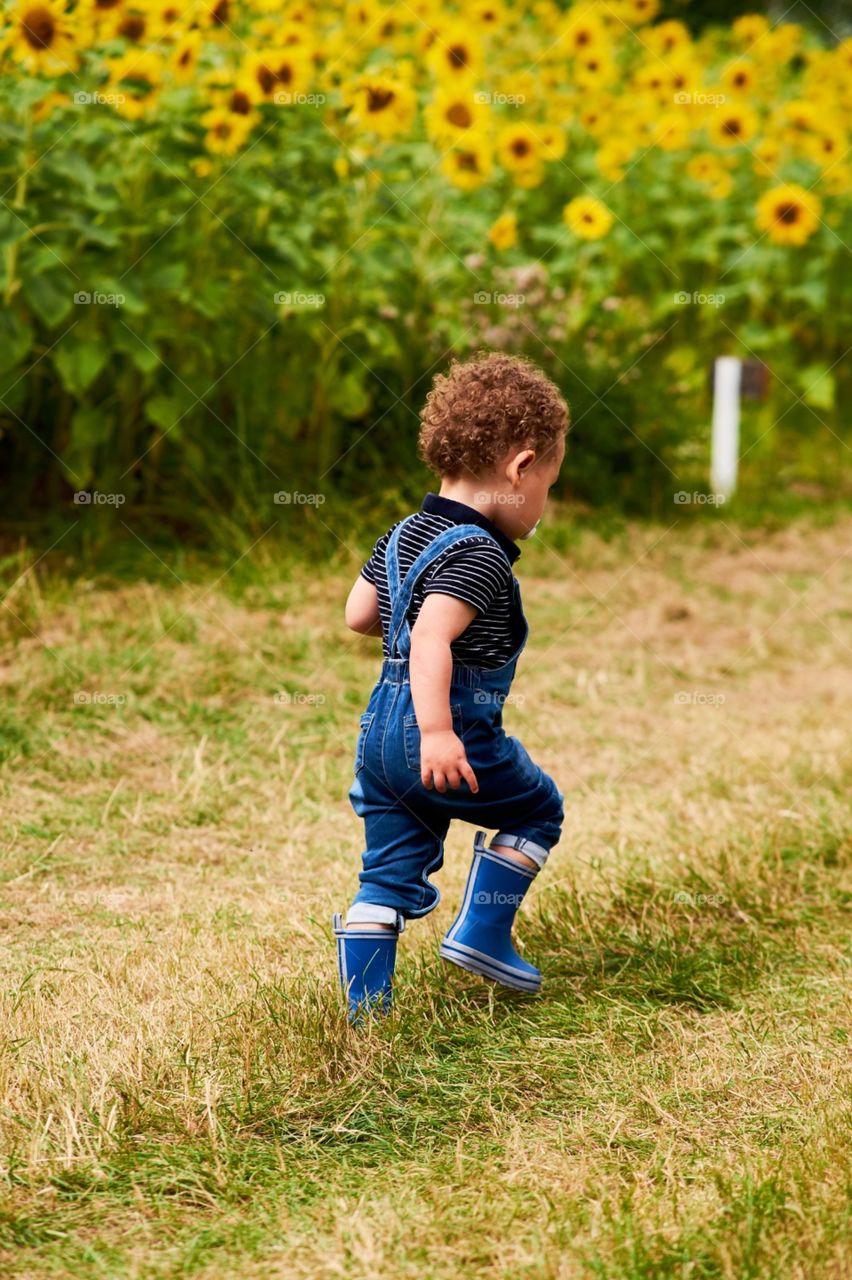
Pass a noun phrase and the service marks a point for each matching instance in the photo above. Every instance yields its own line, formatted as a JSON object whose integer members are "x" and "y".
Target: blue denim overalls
{"x": 405, "y": 823}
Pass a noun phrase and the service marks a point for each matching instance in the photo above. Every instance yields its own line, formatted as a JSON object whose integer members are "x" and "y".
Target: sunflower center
{"x": 107, "y": 4}
{"x": 39, "y": 28}
{"x": 266, "y": 79}
{"x": 284, "y": 75}
{"x": 240, "y": 103}
{"x": 520, "y": 148}
{"x": 185, "y": 59}
{"x": 222, "y": 130}
{"x": 788, "y": 213}
{"x": 132, "y": 27}
{"x": 468, "y": 160}
{"x": 379, "y": 99}
{"x": 457, "y": 56}
{"x": 733, "y": 128}
{"x": 221, "y": 12}
{"x": 460, "y": 115}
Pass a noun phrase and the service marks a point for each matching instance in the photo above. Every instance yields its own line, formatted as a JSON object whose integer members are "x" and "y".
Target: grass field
{"x": 180, "y": 1093}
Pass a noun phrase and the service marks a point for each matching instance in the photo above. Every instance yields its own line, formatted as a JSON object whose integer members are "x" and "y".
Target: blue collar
{"x": 461, "y": 513}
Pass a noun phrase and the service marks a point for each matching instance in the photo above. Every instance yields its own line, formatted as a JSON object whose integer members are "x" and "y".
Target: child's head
{"x": 496, "y": 424}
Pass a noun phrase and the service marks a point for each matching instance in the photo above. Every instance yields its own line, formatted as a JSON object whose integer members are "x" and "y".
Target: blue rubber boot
{"x": 365, "y": 960}
{"x": 480, "y": 939}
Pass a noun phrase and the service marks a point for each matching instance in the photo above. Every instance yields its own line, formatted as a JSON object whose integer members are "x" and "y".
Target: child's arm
{"x": 442, "y": 756}
{"x": 362, "y": 609}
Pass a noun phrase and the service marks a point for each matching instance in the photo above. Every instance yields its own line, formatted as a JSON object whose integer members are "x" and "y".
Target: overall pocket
{"x": 411, "y": 735}
{"x": 361, "y": 745}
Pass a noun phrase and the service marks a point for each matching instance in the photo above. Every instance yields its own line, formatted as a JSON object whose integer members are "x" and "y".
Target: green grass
{"x": 180, "y": 1094}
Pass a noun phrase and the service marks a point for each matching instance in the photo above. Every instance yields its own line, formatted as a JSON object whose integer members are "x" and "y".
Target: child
{"x": 439, "y": 589}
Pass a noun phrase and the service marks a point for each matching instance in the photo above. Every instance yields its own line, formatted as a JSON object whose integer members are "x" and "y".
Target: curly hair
{"x": 485, "y": 406}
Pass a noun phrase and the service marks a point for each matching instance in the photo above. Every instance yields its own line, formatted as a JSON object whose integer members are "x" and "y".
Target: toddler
{"x": 439, "y": 588}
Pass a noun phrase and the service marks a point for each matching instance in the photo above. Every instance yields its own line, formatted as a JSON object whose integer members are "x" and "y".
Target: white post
{"x": 726, "y": 424}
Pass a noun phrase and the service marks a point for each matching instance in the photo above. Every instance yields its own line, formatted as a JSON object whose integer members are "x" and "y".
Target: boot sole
{"x": 484, "y": 969}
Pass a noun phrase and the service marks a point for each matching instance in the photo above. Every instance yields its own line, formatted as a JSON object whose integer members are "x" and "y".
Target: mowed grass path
{"x": 180, "y": 1094}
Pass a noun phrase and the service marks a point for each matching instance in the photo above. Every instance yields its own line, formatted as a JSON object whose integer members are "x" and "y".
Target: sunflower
{"x": 587, "y": 217}
{"x": 788, "y": 214}
{"x": 218, "y": 14}
{"x": 468, "y": 164}
{"x": 239, "y": 100}
{"x": 635, "y": 12}
{"x": 454, "y": 54}
{"x": 226, "y": 132}
{"x": 827, "y": 147}
{"x": 672, "y": 130}
{"x": 552, "y": 139}
{"x": 732, "y": 125}
{"x": 132, "y": 25}
{"x": 750, "y": 28}
{"x": 382, "y": 105}
{"x": 738, "y": 77}
{"x": 613, "y": 156}
{"x": 184, "y": 58}
{"x": 491, "y": 15}
{"x": 581, "y": 32}
{"x": 503, "y": 233}
{"x": 595, "y": 70}
{"x": 767, "y": 156}
{"x": 519, "y": 148}
{"x": 280, "y": 75}
{"x": 41, "y": 36}
{"x": 137, "y": 77}
{"x": 453, "y": 112}
{"x": 667, "y": 38}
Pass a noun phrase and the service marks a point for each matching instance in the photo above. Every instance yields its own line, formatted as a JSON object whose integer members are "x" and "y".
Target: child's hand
{"x": 442, "y": 760}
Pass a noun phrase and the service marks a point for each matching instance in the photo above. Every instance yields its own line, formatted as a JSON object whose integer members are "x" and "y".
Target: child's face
{"x": 522, "y": 497}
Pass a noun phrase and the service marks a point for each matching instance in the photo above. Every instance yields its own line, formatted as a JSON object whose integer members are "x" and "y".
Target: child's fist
{"x": 442, "y": 761}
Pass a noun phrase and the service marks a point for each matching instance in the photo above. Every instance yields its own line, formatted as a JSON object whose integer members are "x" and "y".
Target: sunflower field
{"x": 238, "y": 236}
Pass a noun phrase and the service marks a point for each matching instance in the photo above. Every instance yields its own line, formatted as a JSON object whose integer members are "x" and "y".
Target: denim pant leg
{"x": 403, "y": 850}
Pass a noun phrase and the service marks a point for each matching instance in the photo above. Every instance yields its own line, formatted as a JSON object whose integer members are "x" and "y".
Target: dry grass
{"x": 179, "y": 1093}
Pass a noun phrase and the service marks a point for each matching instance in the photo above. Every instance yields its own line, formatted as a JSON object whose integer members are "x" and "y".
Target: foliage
{"x": 237, "y": 241}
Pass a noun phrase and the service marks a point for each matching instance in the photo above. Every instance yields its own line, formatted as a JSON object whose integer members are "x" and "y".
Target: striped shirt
{"x": 474, "y": 570}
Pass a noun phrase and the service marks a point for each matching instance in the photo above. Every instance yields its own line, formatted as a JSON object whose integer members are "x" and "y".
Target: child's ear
{"x": 520, "y": 464}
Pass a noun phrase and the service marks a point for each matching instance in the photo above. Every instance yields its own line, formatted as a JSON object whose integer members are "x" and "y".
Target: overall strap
{"x": 402, "y": 590}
